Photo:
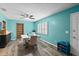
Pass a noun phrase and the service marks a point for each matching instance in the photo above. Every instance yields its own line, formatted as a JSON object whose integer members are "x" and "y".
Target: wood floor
{"x": 15, "y": 48}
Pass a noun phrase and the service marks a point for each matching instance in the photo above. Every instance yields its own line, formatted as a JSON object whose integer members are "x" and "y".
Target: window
{"x": 42, "y": 28}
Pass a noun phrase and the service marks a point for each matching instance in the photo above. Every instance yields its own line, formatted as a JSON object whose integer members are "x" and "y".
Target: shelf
{"x": 63, "y": 47}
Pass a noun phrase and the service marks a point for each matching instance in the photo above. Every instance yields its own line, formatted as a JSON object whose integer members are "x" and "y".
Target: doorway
{"x": 19, "y": 30}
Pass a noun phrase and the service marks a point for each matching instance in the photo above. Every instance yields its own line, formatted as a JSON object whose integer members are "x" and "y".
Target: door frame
{"x": 16, "y": 28}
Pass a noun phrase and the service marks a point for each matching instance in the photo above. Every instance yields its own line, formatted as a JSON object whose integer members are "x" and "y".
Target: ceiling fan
{"x": 27, "y": 16}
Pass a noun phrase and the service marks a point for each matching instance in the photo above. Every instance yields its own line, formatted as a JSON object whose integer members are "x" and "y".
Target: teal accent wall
{"x": 57, "y": 25}
{"x": 11, "y": 27}
{"x": 2, "y": 17}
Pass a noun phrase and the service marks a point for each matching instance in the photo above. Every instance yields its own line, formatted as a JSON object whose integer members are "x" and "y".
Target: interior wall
{"x": 11, "y": 27}
{"x": 58, "y": 26}
{"x": 2, "y": 17}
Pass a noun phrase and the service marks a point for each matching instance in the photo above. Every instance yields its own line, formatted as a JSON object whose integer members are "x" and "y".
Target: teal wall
{"x": 11, "y": 27}
{"x": 2, "y": 17}
{"x": 57, "y": 25}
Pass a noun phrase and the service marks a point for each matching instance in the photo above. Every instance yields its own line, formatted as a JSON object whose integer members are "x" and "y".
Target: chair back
{"x": 33, "y": 40}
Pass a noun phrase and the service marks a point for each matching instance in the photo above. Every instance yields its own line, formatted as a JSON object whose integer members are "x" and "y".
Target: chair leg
{"x": 29, "y": 47}
{"x": 32, "y": 47}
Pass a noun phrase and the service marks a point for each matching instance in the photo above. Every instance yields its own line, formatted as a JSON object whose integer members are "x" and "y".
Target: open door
{"x": 19, "y": 30}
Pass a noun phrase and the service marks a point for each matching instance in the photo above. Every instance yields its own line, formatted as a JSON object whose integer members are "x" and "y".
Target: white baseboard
{"x": 49, "y": 43}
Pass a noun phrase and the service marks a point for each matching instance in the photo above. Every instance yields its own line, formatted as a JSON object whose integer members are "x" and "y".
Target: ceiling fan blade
{"x": 3, "y": 9}
{"x": 31, "y": 17}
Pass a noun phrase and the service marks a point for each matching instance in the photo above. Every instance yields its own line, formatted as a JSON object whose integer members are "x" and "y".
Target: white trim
{"x": 71, "y": 32}
{"x": 49, "y": 43}
{"x": 70, "y": 27}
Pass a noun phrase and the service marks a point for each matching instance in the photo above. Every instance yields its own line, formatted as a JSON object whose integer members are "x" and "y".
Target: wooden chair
{"x": 32, "y": 42}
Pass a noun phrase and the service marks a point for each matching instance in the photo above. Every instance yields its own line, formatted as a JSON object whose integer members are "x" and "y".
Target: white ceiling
{"x": 39, "y": 10}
